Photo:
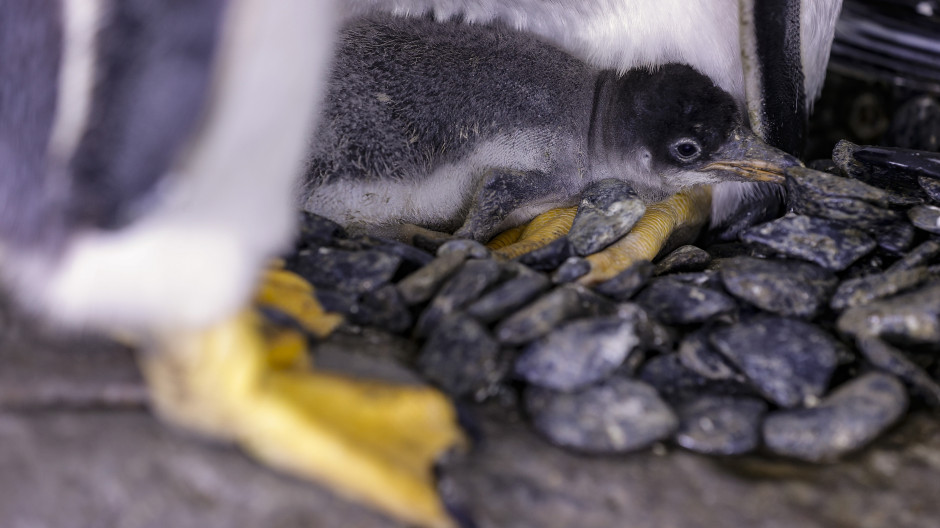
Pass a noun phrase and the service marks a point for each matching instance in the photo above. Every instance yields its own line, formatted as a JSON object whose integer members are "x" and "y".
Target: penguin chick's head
{"x": 686, "y": 131}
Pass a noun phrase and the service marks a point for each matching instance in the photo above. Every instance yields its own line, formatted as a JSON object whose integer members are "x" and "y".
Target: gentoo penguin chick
{"x": 474, "y": 129}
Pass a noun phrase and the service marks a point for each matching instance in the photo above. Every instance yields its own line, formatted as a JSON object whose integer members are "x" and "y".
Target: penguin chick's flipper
{"x": 241, "y": 382}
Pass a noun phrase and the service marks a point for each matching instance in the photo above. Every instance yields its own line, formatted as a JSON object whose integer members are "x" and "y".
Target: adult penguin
{"x": 148, "y": 152}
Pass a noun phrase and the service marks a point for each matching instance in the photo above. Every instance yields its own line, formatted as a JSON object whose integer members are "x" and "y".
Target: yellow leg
{"x": 689, "y": 208}
{"x": 542, "y": 230}
{"x": 368, "y": 440}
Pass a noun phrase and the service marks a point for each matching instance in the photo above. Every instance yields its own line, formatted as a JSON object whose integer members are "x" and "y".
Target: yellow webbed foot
{"x": 539, "y": 232}
{"x": 369, "y": 440}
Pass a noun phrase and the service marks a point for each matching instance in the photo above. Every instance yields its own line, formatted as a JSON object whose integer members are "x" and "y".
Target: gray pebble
{"x": 382, "y": 308}
{"x": 926, "y": 217}
{"x": 675, "y": 302}
{"x": 786, "y": 360}
{"x": 863, "y": 290}
{"x": 851, "y": 417}
{"x": 471, "y": 248}
{"x": 825, "y": 242}
{"x": 508, "y": 297}
{"x": 924, "y": 254}
{"x": 784, "y": 287}
{"x": 678, "y": 383}
{"x": 626, "y": 283}
{"x": 608, "y": 210}
{"x": 901, "y": 183}
{"x": 807, "y": 185}
{"x": 912, "y": 318}
{"x": 931, "y": 186}
{"x": 891, "y": 360}
{"x": 721, "y": 425}
{"x": 348, "y": 271}
{"x": 616, "y": 416}
{"x": 697, "y": 354}
{"x": 565, "y": 302}
{"x": 571, "y": 270}
{"x": 548, "y": 257}
{"x": 315, "y": 231}
{"x": 463, "y": 359}
{"x": 895, "y": 237}
{"x": 653, "y": 334}
{"x": 412, "y": 258}
{"x": 578, "y": 353}
{"x": 421, "y": 285}
{"x": 466, "y": 286}
{"x": 684, "y": 258}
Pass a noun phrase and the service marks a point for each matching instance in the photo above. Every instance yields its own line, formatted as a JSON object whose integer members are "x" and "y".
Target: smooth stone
{"x": 721, "y": 425}
{"x": 674, "y": 302}
{"x": 608, "y": 210}
{"x": 684, "y": 258}
{"x": 847, "y": 420}
{"x": 697, "y": 354}
{"x": 895, "y": 238}
{"x": 315, "y": 230}
{"x": 412, "y": 258}
{"x": 462, "y": 358}
{"x": 382, "y": 308}
{"x": 900, "y": 160}
{"x": 678, "y": 383}
{"x": 788, "y": 361}
{"x": 911, "y": 318}
{"x": 900, "y": 182}
{"x": 508, "y": 297}
{"x": 421, "y": 285}
{"x": 578, "y": 353}
{"x": 349, "y": 271}
{"x": 804, "y": 184}
{"x": 922, "y": 255}
{"x": 784, "y": 287}
{"x": 931, "y": 186}
{"x": 466, "y": 286}
{"x": 471, "y": 248}
{"x": 653, "y": 335}
{"x": 926, "y": 217}
{"x": 850, "y": 211}
{"x": 548, "y": 257}
{"x": 626, "y": 283}
{"x": 863, "y": 290}
{"x": 616, "y": 416}
{"x": 571, "y": 270}
{"x": 827, "y": 243}
{"x": 565, "y": 302}
{"x": 885, "y": 357}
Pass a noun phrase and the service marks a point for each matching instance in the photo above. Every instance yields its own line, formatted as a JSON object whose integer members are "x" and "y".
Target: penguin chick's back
{"x": 418, "y": 109}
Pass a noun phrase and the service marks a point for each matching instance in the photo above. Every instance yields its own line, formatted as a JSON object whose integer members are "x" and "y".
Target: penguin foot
{"x": 244, "y": 382}
{"x": 680, "y": 216}
{"x": 538, "y": 233}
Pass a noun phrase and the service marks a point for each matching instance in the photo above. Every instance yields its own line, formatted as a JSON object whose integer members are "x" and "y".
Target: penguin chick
{"x": 476, "y": 129}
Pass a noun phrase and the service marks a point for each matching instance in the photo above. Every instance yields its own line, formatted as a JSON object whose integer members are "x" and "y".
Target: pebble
{"x": 571, "y": 270}
{"x": 565, "y": 302}
{"x": 382, "y": 308}
{"x": 901, "y": 161}
{"x": 910, "y": 318}
{"x": 895, "y": 238}
{"x": 316, "y": 231}
{"x": 931, "y": 186}
{"x": 548, "y": 257}
{"x": 411, "y": 257}
{"x": 806, "y": 186}
{"x": 616, "y": 416}
{"x": 675, "y": 302}
{"x": 721, "y": 425}
{"x": 578, "y": 353}
{"x": 625, "y": 284}
{"x": 508, "y": 297}
{"x": 825, "y": 242}
{"x": 471, "y": 248}
{"x": 462, "y": 358}
{"x": 697, "y": 354}
{"x": 784, "y": 287}
{"x": 901, "y": 183}
{"x": 863, "y": 290}
{"x": 847, "y": 420}
{"x": 922, "y": 255}
{"x": 788, "y": 361}
{"x": 463, "y": 288}
{"x": 678, "y": 383}
{"x": 347, "y": 271}
{"x": 926, "y": 217}
{"x": 684, "y": 258}
{"x": 885, "y": 357}
{"x": 608, "y": 210}
{"x": 422, "y": 284}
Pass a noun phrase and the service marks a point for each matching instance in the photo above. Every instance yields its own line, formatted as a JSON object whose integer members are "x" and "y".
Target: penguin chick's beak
{"x": 744, "y": 157}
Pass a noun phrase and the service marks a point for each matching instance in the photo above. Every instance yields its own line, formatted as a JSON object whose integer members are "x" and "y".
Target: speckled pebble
{"x": 548, "y": 257}
{"x": 784, "y": 287}
{"x": 422, "y": 284}
{"x": 463, "y": 288}
{"x": 471, "y": 248}
{"x": 924, "y": 254}
{"x": 571, "y": 270}
{"x": 578, "y": 353}
{"x": 912, "y": 318}
{"x": 697, "y": 354}
{"x": 827, "y": 243}
{"x": 608, "y": 209}
{"x": 617, "y": 416}
{"x": 926, "y": 217}
{"x": 847, "y": 420}
{"x": 678, "y": 383}
{"x": 349, "y": 271}
{"x": 675, "y": 302}
{"x": 806, "y": 186}
{"x": 895, "y": 237}
{"x": 863, "y": 290}
{"x": 315, "y": 231}
{"x": 382, "y": 308}
{"x": 462, "y": 358}
{"x": 931, "y": 186}
{"x": 508, "y": 297}
{"x": 565, "y": 302}
{"x": 788, "y": 361}
{"x": 885, "y": 357}
{"x": 684, "y": 258}
{"x": 721, "y": 425}
{"x": 626, "y": 283}
{"x": 411, "y": 257}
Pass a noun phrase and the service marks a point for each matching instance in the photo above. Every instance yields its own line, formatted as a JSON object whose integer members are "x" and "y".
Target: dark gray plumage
{"x": 479, "y": 128}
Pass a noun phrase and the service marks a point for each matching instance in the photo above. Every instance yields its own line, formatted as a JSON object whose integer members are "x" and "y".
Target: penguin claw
{"x": 245, "y": 383}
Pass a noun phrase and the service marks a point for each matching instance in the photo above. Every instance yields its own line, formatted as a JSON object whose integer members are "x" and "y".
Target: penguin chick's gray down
{"x": 478, "y": 128}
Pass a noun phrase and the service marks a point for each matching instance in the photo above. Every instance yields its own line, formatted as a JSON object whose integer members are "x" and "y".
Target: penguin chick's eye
{"x": 686, "y": 150}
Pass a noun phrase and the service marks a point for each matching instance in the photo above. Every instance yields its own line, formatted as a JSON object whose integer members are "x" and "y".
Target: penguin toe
{"x": 247, "y": 381}
{"x": 538, "y": 233}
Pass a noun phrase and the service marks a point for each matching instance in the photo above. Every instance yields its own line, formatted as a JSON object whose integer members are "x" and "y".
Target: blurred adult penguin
{"x": 148, "y": 153}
